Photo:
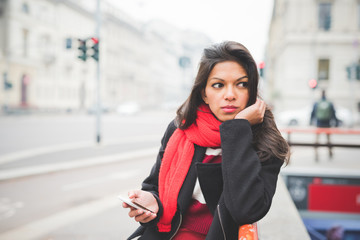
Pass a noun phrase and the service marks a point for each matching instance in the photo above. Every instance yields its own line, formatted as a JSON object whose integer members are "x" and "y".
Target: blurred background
{"x": 89, "y": 86}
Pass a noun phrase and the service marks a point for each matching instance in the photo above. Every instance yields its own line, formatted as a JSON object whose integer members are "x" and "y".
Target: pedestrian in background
{"x": 323, "y": 113}
{"x": 220, "y": 158}
{"x": 324, "y": 116}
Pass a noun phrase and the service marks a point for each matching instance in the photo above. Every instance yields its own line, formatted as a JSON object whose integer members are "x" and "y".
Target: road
{"x": 47, "y": 203}
{"x": 40, "y": 206}
{"x": 21, "y": 133}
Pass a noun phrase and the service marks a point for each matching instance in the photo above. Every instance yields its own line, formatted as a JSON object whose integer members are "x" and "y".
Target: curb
{"x": 90, "y": 162}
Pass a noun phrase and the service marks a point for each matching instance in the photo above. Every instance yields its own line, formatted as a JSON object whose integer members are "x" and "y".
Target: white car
{"x": 128, "y": 108}
{"x": 301, "y": 117}
{"x": 346, "y": 118}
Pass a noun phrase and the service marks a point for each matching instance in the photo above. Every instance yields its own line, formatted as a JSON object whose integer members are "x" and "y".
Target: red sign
{"x": 334, "y": 198}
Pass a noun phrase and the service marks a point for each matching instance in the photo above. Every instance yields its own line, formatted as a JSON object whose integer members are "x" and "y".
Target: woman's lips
{"x": 229, "y": 109}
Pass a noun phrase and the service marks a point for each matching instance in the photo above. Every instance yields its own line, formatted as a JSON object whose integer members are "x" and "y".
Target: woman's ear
{"x": 204, "y": 96}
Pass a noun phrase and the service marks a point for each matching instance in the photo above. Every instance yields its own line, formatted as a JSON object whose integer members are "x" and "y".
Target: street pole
{"x": 184, "y": 63}
{"x": 97, "y": 85}
{"x": 353, "y": 79}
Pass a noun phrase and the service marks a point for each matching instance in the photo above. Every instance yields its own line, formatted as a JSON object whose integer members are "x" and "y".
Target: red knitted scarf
{"x": 177, "y": 159}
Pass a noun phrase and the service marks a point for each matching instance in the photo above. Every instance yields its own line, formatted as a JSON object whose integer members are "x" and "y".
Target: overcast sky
{"x": 245, "y": 21}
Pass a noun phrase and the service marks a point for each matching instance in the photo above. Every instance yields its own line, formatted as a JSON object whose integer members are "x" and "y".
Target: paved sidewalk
{"x": 344, "y": 159}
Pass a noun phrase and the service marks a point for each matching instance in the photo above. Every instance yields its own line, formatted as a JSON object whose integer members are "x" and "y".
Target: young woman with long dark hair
{"x": 220, "y": 158}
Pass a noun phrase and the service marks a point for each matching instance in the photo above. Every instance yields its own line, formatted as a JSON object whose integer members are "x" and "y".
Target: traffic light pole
{"x": 97, "y": 85}
{"x": 353, "y": 79}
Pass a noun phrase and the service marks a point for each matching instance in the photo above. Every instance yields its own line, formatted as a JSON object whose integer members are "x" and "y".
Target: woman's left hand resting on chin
{"x": 147, "y": 200}
{"x": 254, "y": 113}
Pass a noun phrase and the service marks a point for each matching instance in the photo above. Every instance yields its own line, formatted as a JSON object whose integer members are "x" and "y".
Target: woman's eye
{"x": 243, "y": 84}
{"x": 217, "y": 85}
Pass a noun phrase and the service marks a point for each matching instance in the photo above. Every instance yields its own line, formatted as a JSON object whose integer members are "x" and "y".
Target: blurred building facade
{"x": 40, "y": 69}
{"x": 314, "y": 39}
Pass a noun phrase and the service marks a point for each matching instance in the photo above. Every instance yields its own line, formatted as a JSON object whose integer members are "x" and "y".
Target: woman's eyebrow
{"x": 220, "y": 79}
{"x": 242, "y": 77}
{"x": 216, "y": 78}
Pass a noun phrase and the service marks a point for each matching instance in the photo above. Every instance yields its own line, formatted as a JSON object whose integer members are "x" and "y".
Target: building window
{"x": 25, "y": 42}
{"x": 325, "y": 16}
{"x": 323, "y": 69}
{"x": 25, "y": 8}
{"x": 2, "y": 8}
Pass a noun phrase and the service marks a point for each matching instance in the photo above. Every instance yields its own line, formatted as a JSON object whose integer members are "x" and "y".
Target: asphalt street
{"x": 54, "y": 175}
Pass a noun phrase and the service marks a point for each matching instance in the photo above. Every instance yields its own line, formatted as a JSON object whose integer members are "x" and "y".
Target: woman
{"x": 219, "y": 161}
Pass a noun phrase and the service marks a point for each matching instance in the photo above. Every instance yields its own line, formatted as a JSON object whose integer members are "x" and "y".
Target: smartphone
{"x": 133, "y": 204}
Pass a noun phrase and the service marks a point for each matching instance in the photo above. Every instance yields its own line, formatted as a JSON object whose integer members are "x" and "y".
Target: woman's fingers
{"x": 133, "y": 194}
{"x": 125, "y": 205}
{"x": 254, "y": 113}
{"x": 145, "y": 217}
{"x": 262, "y": 108}
{"x": 135, "y": 212}
{"x": 141, "y": 215}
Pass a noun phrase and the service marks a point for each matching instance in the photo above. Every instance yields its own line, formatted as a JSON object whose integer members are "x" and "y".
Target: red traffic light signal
{"x": 95, "y": 40}
{"x": 312, "y": 83}
{"x": 261, "y": 66}
{"x": 95, "y": 48}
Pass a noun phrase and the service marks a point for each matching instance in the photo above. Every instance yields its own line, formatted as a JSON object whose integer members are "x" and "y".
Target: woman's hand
{"x": 145, "y": 199}
{"x": 254, "y": 113}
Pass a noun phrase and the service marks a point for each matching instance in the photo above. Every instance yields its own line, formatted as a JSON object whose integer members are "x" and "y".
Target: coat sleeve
{"x": 150, "y": 184}
{"x": 249, "y": 184}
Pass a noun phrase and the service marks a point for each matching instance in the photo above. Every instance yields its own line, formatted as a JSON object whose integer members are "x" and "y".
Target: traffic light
{"x": 82, "y": 47}
{"x": 348, "y": 72}
{"x": 68, "y": 43}
{"x": 312, "y": 83}
{"x": 261, "y": 68}
{"x": 184, "y": 62}
{"x": 95, "y": 48}
{"x": 7, "y": 85}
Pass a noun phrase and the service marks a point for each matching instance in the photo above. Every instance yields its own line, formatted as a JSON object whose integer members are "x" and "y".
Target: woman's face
{"x": 226, "y": 90}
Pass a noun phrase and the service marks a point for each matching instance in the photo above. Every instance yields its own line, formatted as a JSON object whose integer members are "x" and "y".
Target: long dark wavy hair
{"x": 267, "y": 139}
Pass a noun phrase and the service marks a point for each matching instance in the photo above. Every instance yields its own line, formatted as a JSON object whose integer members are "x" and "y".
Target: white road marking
{"x": 8, "y": 208}
{"x": 55, "y": 167}
{"x": 96, "y": 181}
{"x": 11, "y": 157}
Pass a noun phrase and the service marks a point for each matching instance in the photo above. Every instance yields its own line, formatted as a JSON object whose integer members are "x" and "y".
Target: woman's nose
{"x": 229, "y": 94}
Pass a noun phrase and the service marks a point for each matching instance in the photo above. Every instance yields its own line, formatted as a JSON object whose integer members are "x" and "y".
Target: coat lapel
{"x": 187, "y": 189}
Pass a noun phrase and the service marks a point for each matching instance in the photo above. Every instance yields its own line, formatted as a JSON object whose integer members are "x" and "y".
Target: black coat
{"x": 237, "y": 191}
